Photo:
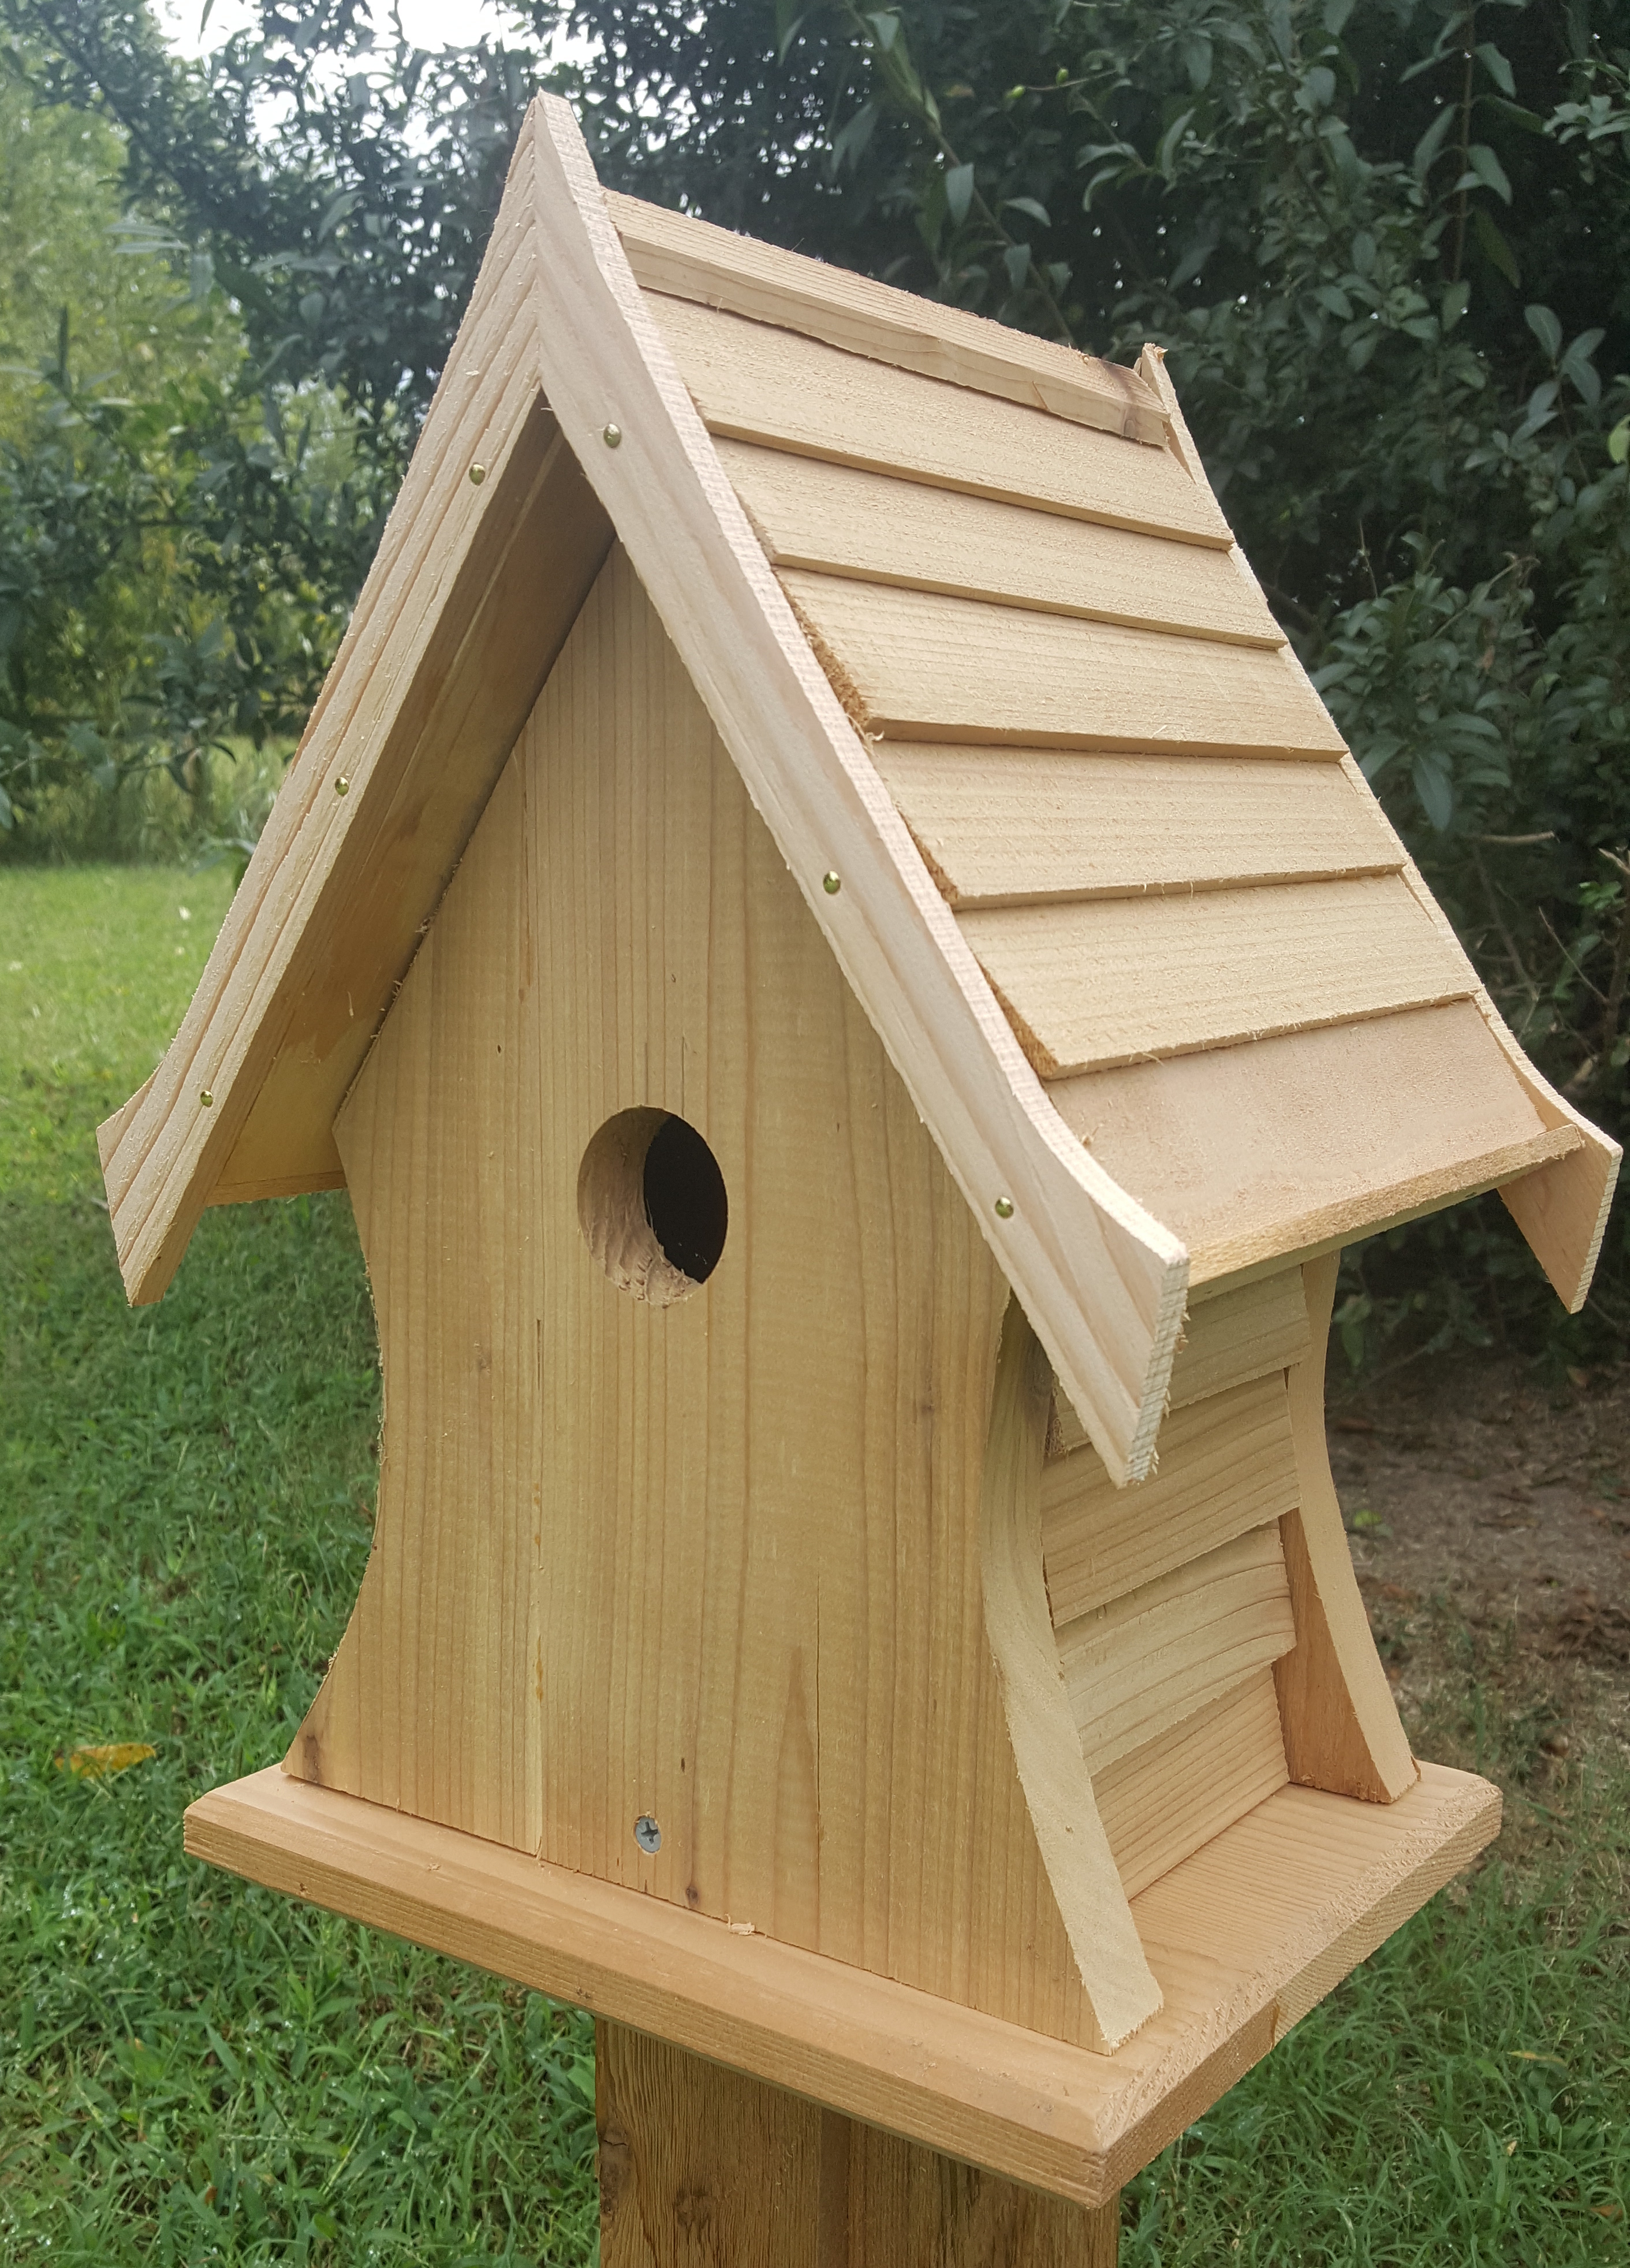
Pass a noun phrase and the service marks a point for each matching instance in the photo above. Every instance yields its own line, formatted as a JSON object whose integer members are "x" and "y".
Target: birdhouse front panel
{"x": 676, "y": 1579}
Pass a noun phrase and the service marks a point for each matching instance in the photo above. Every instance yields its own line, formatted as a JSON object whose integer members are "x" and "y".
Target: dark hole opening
{"x": 685, "y": 1199}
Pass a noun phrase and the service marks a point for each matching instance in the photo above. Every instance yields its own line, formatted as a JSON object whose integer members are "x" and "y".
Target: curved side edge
{"x": 1102, "y": 1281}
{"x": 1336, "y": 1710}
{"x": 1119, "y": 1985}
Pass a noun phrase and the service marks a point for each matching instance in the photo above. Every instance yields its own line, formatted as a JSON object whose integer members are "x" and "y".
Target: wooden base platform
{"x": 1244, "y": 1937}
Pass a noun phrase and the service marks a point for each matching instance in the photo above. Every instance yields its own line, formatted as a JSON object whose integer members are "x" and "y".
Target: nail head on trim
{"x": 613, "y": 437}
{"x": 832, "y": 882}
{"x": 478, "y": 474}
{"x": 206, "y": 1098}
{"x": 1004, "y": 1208}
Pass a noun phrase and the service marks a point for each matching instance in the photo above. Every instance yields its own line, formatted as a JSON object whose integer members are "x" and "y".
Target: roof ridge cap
{"x": 684, "y": 257}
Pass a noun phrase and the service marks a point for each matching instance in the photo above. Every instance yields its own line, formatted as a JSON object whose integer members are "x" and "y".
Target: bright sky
{"x": 428, "y": 23}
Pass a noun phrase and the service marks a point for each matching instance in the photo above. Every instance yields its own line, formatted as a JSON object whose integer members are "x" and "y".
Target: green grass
{"x": 193, "y": 2070}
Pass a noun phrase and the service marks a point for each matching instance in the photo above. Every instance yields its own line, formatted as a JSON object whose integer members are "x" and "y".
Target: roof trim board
{"x": 689, "y": 259}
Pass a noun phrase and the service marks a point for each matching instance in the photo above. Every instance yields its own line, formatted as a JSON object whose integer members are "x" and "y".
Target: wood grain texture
{"x": 921, "y": 667}
{"x": 1309, "y": 1884}
{"x": 1235, "y": 1335}
{"x": 428, "y": 596}
{"x": 1047, "y": 1747}
{"x": 1341, "y": 1721}
{"x": 1142, "y": 1664}
{"x": 716, "y": 1562}
{"x": 1255, "y": 1151}
{"x": 750, "y": 383}
{"x": 1561, "y": 1206}
{"x": 1561, "y": 1201}
{"x": 1226, "y": 1465}
{"x": 1102, "y": 1282}
{"x": 1095, "y": 984}
{"x": 672, "y": 253}
{"x": 698, "y": 2164}
{"x": 1160, "y": 1803}
{"x": 838, "y": 519}
{"x": 1011, "y": 825}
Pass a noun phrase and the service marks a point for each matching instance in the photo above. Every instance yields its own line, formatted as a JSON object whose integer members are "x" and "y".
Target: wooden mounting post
{"x": 703, "y": 2167}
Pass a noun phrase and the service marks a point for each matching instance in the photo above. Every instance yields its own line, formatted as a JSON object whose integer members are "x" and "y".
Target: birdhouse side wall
{"x": 713, "y": 1564}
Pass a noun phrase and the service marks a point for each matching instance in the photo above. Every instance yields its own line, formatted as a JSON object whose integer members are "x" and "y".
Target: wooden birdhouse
{"x": 858, "y": 994}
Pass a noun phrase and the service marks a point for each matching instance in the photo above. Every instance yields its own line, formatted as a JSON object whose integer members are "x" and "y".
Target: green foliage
{"x": 178, "y": 539}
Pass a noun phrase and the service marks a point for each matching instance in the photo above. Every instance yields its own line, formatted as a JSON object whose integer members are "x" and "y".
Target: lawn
{"x": 193, "y": 2070}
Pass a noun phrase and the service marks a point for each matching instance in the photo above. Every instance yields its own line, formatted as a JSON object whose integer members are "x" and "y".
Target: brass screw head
{"x": 206, "y": 1098}
{"x": 832, "y": 882}
{"x": 478, "y": 474}
{"x": 613, "y": 437}
{"x": 1004, "y": 1208}
{"x": 342, "y": 785}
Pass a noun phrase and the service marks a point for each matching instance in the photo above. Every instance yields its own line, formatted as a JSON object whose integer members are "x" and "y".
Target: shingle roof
{"x": 1156, "y": 971}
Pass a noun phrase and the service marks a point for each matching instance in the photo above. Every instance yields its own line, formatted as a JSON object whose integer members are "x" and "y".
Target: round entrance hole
{"x": 652, "y": 1206}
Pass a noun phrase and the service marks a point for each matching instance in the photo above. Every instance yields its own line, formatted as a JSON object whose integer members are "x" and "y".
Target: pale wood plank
{"x": 720, "y": 1561}
{"x": 1227, "y": 1464}
{"x": 1093, "y": 984}
{"x": 1254, "y": 1152}
{"x": 1102, "y": 1282}
{"x": 1140, "y": 1665}
{"x": 837, "y": 519}
{"x": 690, "y": 258}
{"x": 1236, "y": 1335}
{"x": 1341, "y": 1722}
{"x": 1009, "y": 826}
{"x": 773, "y": 2181}
{"x": 1560, "y": 1203}
{"x": 1166, "y": 1799}
{"x": 917, "y": 666}
{"x": 1240, "y": 1333}
{"x": 1309, "y": 1884}
{"x": 1047, "y": 1749}
{"x": 750, "y": 383}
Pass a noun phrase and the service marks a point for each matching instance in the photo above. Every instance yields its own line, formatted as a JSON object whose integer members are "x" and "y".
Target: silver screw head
{"x": 648, "y": 1835}
{"x": 342, "y": 785}
{"x": 1004, "y": 1208}
{"x": 613, "y": 437}
{"x": 478, "y": 474}
{"x": 832, "y": 882}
